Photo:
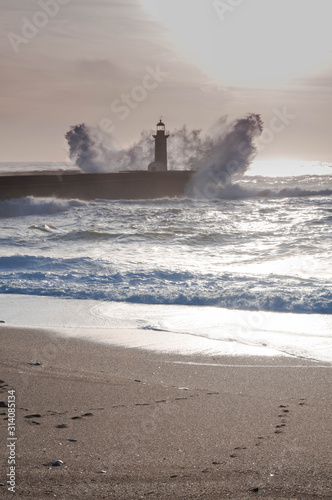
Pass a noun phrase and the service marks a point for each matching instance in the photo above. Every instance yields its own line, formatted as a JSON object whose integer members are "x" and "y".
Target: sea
{"x": 247, "y": 273}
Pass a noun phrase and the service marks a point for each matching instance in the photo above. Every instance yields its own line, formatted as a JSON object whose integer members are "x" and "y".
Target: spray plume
{"x": 217, "y": 159}
{"x": 92, "y": 151}
{"x": 228, "y": 158}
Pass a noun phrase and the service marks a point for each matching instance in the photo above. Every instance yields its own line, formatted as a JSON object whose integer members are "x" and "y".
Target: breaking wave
{"x": 214, "y": 191}
{"x": 29, "y": 205}
{"x": 93, "y": 279}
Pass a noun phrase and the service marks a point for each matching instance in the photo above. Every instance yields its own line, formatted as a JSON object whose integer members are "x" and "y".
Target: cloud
{"x": 94, "y": 51}
{"x": 321, "y": 82}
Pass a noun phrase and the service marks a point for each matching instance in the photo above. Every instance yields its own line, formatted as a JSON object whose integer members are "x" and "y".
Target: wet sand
{"x": 132, "y": 424}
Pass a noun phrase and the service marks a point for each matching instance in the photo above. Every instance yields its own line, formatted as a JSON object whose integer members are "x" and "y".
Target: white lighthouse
{"x": 160, "y": 158}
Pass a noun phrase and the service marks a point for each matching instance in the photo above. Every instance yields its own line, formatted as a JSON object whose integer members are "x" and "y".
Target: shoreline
{"x": 129, "y": 423}
{"x": 190, "y": 330}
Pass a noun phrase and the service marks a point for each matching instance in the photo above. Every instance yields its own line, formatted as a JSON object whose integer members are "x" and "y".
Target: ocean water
{"x": 262, "y": 250}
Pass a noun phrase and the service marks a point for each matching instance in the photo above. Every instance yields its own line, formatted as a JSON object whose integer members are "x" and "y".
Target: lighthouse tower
{"x": 160, "y": 158}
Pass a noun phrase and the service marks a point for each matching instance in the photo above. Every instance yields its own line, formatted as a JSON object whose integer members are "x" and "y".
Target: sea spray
{"x": 219, "y": 159}
{"x": 86, "y": 148}
{"x": 187, "y": 148}
{"x": 92, "y": 151}
{"x": 226, "y": 153}
{"x": 228, "y": 158}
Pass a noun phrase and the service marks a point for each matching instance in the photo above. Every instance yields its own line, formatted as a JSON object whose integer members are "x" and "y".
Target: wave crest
{"x": 87, "y": 278}
{"x": 29, "y": 205}
{"x": 215, "y": 191}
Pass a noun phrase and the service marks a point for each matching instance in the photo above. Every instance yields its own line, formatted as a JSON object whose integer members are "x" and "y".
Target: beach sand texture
{"x": 132, "y": 424}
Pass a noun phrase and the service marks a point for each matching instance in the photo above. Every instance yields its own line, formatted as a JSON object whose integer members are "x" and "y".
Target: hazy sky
{"x": 120, "y": 65}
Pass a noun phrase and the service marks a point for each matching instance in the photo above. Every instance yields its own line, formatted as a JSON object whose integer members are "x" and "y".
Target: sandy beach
{"x": 131, "y": 424}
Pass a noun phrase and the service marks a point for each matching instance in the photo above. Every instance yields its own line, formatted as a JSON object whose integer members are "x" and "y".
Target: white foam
{"x": 177, "y": 329}
{"x": 29, "y": 205}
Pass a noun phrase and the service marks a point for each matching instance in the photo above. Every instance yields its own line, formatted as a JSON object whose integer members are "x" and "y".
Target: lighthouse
{"x": 160, "y": 157}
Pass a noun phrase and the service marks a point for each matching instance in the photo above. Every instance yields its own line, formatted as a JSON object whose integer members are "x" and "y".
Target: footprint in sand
{"x": 79, "y": 417}
{"x": 283, "y": 416}
{"x": 261, "y": 438}
{"x": 3, "y": 386}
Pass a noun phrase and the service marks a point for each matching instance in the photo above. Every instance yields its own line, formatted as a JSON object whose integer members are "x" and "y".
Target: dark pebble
{"x": 57, "y": 463}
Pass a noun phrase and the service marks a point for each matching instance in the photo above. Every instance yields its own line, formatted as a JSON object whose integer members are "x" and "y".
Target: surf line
{"x": 247, "y": 366}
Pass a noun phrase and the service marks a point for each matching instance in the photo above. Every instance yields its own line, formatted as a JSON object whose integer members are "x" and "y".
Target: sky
{"x": 120, "y": 65}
